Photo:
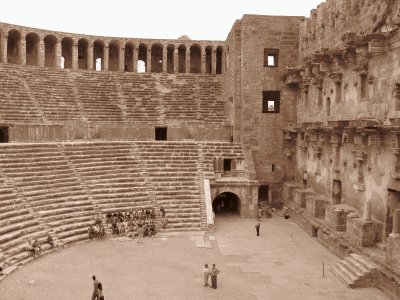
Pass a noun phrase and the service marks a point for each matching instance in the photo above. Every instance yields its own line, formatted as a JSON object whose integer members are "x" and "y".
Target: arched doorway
{"x": 226, "y": 203}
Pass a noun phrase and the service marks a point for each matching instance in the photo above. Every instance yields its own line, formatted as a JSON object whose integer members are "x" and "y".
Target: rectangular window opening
{"x": 3, "y": 134}
{"x": 227, "y": 165}
{"x": 161, "y": 133}
{"x": 271, "y": 101}
{"x": 271, "y": 57}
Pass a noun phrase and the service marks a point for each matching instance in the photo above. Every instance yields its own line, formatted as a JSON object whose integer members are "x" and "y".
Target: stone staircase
{"x": 36, "y": 94}
{"x": 58, "y": 188}
{"x": 355, "y": 271}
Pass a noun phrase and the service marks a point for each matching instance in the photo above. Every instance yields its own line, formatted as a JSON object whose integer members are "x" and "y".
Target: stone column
{"x": 41, "y": 54}
{"x": 57, "y": 62}
{"x": 269, "y": 196}
{"x": 164, "y": 60}
{"x": 367, "y": 210}
{"x": 106, "y": 57}
{"x": 3, "y": 50}
{"x": 121, "y": 66}
{"x": 22, "y": 51}
{"x": 188, "y": 60}
{"x": 75, "y": 55}
{"x": 396, "y": 224}
{"x": 176, "y": 61}
{"x": 90, "y": 57}
{"x": 148, "y": 64}
{"x": 203, "y": 60}
{"x": 135, "y": 59}
{"x": 214, "y": 61}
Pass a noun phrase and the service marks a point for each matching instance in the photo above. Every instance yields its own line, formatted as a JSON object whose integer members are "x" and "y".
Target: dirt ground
{"x": 283, "y": 263}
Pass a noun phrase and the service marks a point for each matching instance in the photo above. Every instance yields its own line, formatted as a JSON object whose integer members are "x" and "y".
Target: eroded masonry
{"x": 292, "y": 111}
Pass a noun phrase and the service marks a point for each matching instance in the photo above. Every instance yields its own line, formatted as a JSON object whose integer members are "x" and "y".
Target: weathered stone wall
{"x": 115, "y": 131}
{"x": 232, "y": 79}
{"x": 261, "y": 133}
{"x": 333, "y": 18}
{"x": 363, "y": 165}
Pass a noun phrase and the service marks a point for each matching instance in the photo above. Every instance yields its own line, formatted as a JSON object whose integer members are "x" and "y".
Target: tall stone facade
{"x": 249, "y": 81}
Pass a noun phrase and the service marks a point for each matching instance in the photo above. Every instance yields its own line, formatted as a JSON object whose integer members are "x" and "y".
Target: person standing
{"x": 214, "y": 272}
{"x": 206, "y": 272}
{"x": 258, "y": 227}
{"x": 95, "y": 295}
{"x": 100, "y": 291}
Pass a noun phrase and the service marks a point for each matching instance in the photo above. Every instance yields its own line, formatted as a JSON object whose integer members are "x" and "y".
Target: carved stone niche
{"x": 396, "y": 90}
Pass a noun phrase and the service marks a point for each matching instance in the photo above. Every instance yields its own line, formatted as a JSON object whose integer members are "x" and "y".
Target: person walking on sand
{"x": 258, "y": 227}
{"x": 95, "y": 295}
{"x": 206, "y": 272}
{"x": 214, "y": 272}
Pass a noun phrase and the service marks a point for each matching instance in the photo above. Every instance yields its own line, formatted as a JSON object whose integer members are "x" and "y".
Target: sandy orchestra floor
{"x": 283, "y": 263}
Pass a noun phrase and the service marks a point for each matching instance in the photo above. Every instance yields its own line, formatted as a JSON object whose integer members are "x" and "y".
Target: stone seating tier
{"x": 58, "y": 188}
{"x": 44, "y": 95}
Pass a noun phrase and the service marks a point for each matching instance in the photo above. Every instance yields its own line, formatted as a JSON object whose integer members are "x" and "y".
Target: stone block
{"x": 299, "y": 196}
{"x": 287, "y": 193}
{"x": 393, "y": 251}
{"x": 336, "y": 218}
{"x": 361, "y": 231}
{"x": 315, "y": 206}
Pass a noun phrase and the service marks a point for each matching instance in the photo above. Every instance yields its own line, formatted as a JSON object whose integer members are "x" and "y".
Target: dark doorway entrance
{"x": 161, "y": 133}
{"x": 226, "y": 203}
{"x": 3, "y": 134}
{"x": 262, "y": 194}
{"x": 337, "y": 192}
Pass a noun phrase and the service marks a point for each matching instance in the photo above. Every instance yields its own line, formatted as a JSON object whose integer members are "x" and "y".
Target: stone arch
{"x": 195, "y": 58}
{"x": 113, "y": 55}
{"x": 142, "y": 59}
{"x": 226, "y": 202}
{"x": 128, "y": 57}
{"x": 170, "y": 58}
{"x": 67, "y": 44}
{"x": 182, "y": 59}
{"x": 50, "y": 42}
{"x": 32, "y": 49}
{"x": 219, "y": 54}
{"x": 83, "y": 49}
{"x": 14, "y": 47}
{"x": 157, "y": 58}
{"x": 98, "y": 55}
{"x": 209, "y": 61}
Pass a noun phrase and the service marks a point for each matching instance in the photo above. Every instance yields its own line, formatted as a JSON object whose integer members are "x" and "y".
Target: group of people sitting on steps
{"x": 35, "y": 246}
{"x": 131, "y": 224}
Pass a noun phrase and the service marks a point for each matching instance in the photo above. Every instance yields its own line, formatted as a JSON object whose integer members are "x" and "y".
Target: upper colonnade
{"x": 37, "y": 47}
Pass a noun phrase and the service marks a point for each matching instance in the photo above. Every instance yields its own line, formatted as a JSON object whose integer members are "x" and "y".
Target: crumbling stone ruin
{"x": 297, "y": 111}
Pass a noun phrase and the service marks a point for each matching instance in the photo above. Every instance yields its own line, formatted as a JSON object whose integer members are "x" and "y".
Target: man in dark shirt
{"x": 95, "y": 288}
{"x": 214, "y": 272}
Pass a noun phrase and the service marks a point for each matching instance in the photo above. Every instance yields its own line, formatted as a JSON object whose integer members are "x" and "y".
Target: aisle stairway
{"x": 355, "y": 271}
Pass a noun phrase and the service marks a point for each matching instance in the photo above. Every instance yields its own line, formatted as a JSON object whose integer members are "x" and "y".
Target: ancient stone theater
{"x": 294, "y": 113}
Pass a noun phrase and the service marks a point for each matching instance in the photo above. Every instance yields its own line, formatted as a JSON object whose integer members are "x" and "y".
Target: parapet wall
{"x": 332, "y": 19}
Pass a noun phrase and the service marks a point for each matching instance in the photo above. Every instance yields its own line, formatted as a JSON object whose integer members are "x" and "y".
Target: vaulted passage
{"x": 226, "y": 202}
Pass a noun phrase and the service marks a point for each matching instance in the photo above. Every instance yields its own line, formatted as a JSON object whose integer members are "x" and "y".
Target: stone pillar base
{"x": 300, "y": 195}
{"x": 361, "y": 231}
{"x": 393, "y": 251}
